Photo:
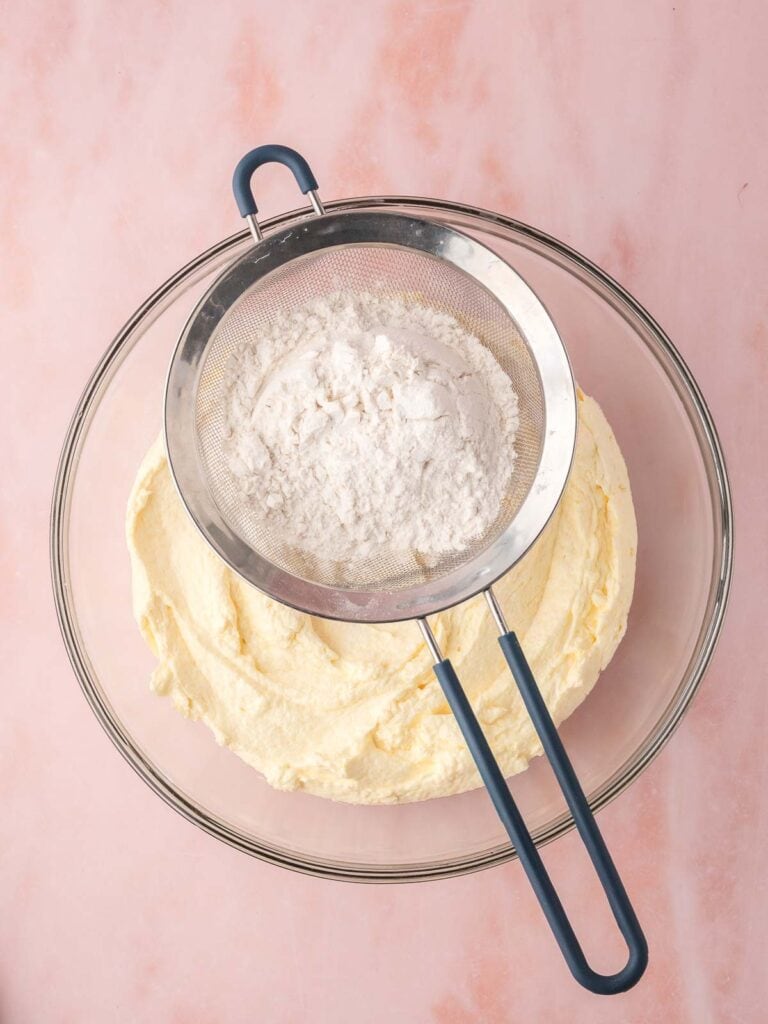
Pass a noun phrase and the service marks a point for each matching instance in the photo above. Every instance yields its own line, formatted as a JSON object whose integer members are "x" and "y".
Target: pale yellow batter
{"x": 353, "y": 712}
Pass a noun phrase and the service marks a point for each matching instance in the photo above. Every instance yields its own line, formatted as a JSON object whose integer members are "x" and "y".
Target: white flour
{"x": 361, "y": 426}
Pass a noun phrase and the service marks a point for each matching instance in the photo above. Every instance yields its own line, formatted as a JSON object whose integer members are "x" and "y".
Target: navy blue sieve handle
{"x": 510, "y": 816}
{"x": 241, "y": 180}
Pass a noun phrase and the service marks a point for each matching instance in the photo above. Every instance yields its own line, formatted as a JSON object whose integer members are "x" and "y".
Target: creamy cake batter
{"x": 353, "y": 712}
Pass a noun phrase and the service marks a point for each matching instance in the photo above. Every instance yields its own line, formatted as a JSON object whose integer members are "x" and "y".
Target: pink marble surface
{"x": 635, "y": 133}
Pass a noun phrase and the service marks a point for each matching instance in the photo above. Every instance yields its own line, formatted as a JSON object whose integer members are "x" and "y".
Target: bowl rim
{"x": 328, "y": 868}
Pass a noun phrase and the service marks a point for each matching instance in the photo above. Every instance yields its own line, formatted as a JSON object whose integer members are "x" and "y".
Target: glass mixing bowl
{"x": 680, "y": 489}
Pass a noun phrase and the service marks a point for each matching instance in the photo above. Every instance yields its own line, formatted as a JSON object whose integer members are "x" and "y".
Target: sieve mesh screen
{"x": 412, "y": 277}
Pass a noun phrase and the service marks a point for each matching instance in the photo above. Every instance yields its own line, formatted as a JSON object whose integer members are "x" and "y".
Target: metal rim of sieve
{"x": 532, "y": 322}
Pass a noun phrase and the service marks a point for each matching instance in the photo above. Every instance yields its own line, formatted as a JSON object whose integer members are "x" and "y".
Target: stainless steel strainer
{"x": 422, "y": 263}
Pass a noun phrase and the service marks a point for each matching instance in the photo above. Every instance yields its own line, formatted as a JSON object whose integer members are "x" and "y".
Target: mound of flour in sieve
{"x": 363, "y": 426}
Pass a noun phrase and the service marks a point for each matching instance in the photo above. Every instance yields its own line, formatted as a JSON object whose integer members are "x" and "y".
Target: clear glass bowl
{"x": 680, "y": 488}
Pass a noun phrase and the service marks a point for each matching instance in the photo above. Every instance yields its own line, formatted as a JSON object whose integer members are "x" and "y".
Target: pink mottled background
{"x": 636, "y": 133}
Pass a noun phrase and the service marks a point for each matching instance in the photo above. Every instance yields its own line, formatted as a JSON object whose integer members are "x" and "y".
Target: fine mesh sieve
{"x": 422, "y": 263}
{"x": 417, "y": 262}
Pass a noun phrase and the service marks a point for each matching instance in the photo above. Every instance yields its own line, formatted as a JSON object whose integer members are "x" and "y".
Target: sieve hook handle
{"x": 507, "y": 810}
{"x": 241, "y": 180}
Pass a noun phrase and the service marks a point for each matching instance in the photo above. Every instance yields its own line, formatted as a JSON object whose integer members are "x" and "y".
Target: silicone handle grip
{"x": 510, "y": 816}
{"x": 241, "y": 180}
